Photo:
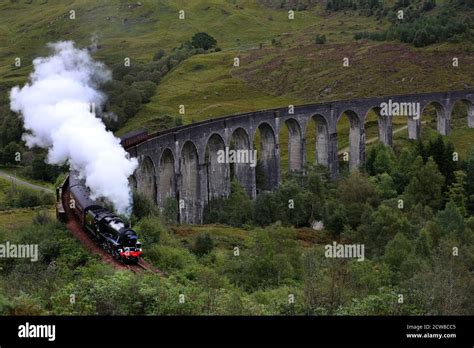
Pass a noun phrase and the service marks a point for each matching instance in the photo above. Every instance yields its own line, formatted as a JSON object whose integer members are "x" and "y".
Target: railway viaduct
{"x": 183, "y": 163}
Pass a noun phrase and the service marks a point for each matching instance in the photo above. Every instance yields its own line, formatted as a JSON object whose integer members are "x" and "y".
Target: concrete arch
{"x": 189, "y": 209}
{"x": 217, "y": 166}
{"x": 145, "y": 176}
{"x": 384, "y": 125}
{"x": 166, "y": 176}
{"x": 268, "y": 156}
{"x": 296, "y": 149}
{"x": 470, "y": 111}
{"x": 442, "y": 117}
{"x": 243, "y": 172}
{"x": 322, "y": 139}
{"x": 356, "y": 139}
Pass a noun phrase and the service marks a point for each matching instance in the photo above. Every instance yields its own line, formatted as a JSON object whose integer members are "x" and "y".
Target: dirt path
{"x": 371, "y": 140}
{"x": 24, "y": 183}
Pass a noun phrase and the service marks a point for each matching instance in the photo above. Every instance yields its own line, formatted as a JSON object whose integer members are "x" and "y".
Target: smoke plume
{"x": 56, "y": 107}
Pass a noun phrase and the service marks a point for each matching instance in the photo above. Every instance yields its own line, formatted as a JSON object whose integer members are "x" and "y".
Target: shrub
{"x": 170, "y": 258}
{"x": 142, "y": 206}
{"x": 236, "y": 210}
{"x": 203, "y": 244}
{"x": 266, "y": 209}
{"x": 47, "y": 198}
{"x": 28, "y": 198}
{"x": 421, "y": 38}
{"x": 41, "y": 218}
{"x": 150, "y": 229}
{"x": 170, "y": 210}
{"x": 160, "y": 54}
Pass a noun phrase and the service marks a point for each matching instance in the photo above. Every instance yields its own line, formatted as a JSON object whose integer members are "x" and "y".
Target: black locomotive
{"x": 107, "y": 228}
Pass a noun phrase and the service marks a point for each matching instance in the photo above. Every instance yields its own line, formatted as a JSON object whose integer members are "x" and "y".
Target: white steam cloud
{"x": 56, "y": 108}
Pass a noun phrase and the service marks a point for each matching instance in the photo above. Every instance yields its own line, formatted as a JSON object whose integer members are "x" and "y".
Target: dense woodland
{"x": 423, "y": 250}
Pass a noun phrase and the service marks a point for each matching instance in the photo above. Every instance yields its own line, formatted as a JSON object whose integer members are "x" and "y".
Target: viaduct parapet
{"x": 182, "y": 162}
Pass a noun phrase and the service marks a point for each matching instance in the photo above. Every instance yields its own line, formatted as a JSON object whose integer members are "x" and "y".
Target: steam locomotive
{"x": 107, "y": 228}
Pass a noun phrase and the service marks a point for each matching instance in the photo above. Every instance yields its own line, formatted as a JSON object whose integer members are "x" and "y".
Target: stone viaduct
{"x": 182, "y": 162}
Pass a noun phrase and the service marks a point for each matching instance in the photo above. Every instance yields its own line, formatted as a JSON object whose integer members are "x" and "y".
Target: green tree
{"x": 421, "y": 38}
{"x": 146, "y": 88}
{"x": 442, "y": 154}
{"x": 203, "y": 244}
{"x": 401, "y": 176}
{"x": 426, "y": 183}
{"x": 470, "y": 181}
{"x": 11, "y": 128}
{"x": 397, "y": 250}
{"x": 295, "y": 202}
{"x": 142, "y": 206}
{"x": 10, "y": 152}
{"x": 203, "y": 40}
{"x": 131, "y": 102}
{"x": 451, "y": 222}
{"x": 379, "y": 227}
{"x": 423, "y": 244}
{"x": 235, "y": 210}
{"x": 267, "y": 209}
{"x": 42, "y": 170}
{"x": 335, "y": 217}
{"x": 385, "y": 185}
{"x": 355, "y": 192}
{"x": 380, "y": 159}
{"x": 457, "y": 191}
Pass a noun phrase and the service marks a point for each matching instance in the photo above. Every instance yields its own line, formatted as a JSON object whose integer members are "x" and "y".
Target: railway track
{"x": 142, "y": 266}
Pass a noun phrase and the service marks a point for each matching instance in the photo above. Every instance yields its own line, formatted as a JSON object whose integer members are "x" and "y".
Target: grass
{"x": 206, "y": 92}
{"x": 228, "y": 237}
{"x": 225, "y": 237}
{"x": 12, "y": 220}
{"x": 125, "y": 29}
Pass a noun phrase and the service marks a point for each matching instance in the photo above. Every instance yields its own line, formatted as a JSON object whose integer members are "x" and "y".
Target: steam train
{"x": 107, "y": 228}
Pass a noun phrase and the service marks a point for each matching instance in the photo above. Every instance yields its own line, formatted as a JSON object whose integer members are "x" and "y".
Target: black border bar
{"x": 206, "y": 330}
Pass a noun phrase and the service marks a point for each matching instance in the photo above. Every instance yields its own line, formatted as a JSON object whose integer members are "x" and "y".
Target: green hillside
{"x": 280, "y": 63}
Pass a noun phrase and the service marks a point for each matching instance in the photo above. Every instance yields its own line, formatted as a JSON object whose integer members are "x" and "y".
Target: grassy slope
{"x": 15, "y": 219}
{"x": 297, "y": 71}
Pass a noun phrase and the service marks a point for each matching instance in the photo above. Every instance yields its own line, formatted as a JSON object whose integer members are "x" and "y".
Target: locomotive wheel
{"x": 106, "y": 247}
{"x": 115, "y": 254}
